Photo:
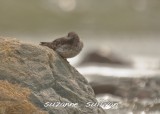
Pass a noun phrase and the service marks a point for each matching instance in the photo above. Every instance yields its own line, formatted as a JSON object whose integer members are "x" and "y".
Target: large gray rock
{"x": 49, "y": 77}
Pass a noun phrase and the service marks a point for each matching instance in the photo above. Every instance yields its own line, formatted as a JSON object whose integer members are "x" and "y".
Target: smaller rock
{"x": 105, "y": 57}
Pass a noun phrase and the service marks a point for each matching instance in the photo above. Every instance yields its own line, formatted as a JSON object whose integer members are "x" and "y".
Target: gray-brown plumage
{"x": 66, "y": 47}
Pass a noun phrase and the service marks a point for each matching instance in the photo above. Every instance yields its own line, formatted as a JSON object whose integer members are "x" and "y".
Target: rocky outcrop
{"x": 14, "y": 100}
{"x": 45, "y": 77}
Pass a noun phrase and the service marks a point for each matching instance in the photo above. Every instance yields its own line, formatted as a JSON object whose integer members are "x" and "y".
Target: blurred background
{"x": 130, "y": 26}
{"x": 121, "y": 41}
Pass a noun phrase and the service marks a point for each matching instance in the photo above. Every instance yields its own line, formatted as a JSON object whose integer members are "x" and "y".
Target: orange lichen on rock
{"x": 14, "y": 100}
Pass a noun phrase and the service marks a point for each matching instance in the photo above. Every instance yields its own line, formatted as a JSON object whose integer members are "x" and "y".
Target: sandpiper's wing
{"x": 61, "y": 41}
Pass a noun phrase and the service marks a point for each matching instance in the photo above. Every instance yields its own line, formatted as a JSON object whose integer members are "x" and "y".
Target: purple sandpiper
{"x": 67, "y": 47}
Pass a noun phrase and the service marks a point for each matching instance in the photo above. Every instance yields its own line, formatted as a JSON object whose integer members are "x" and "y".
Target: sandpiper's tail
{"x": 44, "y": 43}
{"x": 48, "y": 44}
